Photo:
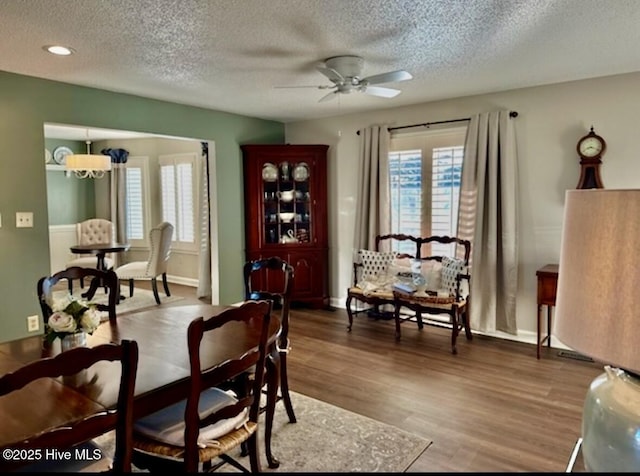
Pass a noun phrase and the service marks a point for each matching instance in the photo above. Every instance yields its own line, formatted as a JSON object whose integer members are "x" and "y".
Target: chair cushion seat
{"x": 89, "y": 262}
{"x": 224, "y": 444}
{"x": 167, "y": 425}
{"x": 384, "y": 294}
{"x": 133, "y": 270}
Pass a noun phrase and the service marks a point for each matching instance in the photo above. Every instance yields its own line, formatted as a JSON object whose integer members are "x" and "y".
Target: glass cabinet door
{"x": 286, "y": 203}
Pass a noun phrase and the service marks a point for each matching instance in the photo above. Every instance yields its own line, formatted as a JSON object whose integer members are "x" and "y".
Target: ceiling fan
{"x": 345, "y": 74}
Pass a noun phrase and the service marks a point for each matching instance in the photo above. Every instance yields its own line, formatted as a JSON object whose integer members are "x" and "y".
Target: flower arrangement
{"x": 71, "y": 316}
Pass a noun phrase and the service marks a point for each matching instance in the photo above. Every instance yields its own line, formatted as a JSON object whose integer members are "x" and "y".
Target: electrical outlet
{"x": 33, "y": 323}
{"x": 24, "y": 220}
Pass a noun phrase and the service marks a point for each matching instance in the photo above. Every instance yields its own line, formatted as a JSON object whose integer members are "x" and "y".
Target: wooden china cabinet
{"x": 285, "y": 195}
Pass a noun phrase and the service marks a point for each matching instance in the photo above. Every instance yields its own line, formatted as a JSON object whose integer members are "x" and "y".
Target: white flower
{"x": 60, "y": 304}
{"x": 71, "y": 315}
{"x": 62, "y": 322}
{"x": 90, "y": 320}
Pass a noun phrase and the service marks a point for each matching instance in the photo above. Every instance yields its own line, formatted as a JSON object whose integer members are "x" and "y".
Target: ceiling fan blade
{"x": 329, "y": 96}
{"x": 389, "y": 77}
{"x": 381, "y": 92}
{"x": 332, "y": 74}
{"x": 295, "y": 87}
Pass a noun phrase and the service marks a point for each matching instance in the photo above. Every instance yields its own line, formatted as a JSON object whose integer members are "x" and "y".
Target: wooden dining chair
{"x": 282, "y": 274}
{"x": 108, "y": 279}
{"x": 210, "y": 422}
{"x": 77, "y": 434}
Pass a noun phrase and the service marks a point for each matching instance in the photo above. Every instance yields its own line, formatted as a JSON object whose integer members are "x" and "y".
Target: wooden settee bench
{"x": 383, "y": 278}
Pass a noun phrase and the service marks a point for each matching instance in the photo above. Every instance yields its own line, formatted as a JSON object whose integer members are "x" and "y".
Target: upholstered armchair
{"x": 156, "y": 265}
{"x": 88, "y": 232}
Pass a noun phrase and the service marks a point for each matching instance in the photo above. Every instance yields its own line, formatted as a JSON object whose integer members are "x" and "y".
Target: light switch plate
{"x": 33, "y": 323}
{"x": 24, "y": 219}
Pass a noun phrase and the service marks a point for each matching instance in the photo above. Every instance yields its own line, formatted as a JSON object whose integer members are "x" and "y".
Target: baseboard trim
{"x": 183, "y": 281}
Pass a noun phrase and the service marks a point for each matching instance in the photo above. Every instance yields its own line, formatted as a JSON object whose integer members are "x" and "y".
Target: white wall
{"x": 551, "y": 120}
{"x": 61, "y": 237}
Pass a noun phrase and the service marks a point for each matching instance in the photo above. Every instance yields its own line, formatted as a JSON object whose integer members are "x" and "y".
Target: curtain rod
{"x": 427, "y": 124}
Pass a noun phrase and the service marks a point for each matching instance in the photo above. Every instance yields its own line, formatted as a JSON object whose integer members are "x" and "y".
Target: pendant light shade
{"x": 88, "y": 165}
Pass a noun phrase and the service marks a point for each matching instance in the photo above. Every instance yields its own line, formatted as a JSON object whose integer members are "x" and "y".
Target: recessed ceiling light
{"x": 58, "y": 50}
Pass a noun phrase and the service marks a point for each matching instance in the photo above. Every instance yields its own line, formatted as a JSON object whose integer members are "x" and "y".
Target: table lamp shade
{"x": 598, "y": 296}
{"x": 598, "y": 314}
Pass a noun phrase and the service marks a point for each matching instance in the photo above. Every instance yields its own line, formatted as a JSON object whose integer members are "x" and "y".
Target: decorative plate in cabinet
{"x": 301, "y": 172}
{"x": 269, "y": 172}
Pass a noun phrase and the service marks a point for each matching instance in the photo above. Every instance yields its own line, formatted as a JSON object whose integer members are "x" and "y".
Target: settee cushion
{"x": 375, "y": 263}
{"x": 451, "y": 268}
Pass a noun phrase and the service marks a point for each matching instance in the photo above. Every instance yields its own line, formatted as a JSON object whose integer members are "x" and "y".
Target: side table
{"x": 547, "y": 286}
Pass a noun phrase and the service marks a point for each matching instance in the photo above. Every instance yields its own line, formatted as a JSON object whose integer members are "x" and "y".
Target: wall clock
{"x": 590, "y": 148}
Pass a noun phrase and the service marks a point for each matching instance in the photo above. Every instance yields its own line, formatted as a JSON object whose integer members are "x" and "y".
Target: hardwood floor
{"x": 491, "y": 407}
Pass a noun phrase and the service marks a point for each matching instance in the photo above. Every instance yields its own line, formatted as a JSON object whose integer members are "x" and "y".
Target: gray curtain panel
{"x": 373, "y": 208}
{"x": 118, "y": 193}
{"x": 488, "y": 218}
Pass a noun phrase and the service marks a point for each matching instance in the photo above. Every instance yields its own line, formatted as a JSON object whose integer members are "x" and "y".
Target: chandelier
{"x": 88, "y": 165}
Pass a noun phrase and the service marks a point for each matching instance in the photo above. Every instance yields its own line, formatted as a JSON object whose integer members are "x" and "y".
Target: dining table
{"x": 100, "y": 250}
{"x": 163, "y": 375}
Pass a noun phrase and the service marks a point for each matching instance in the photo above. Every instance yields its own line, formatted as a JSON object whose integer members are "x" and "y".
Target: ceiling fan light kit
{"x": 345, "y": 72}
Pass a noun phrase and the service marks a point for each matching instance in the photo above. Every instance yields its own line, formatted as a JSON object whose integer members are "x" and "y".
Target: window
{"x": 425, "y": 171}
{"x": 136, "y": 176}
{"x": 178, "y": 192}
{"x": 405, "y": 172}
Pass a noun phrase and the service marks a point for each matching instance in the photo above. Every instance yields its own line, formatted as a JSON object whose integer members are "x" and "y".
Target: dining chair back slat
{"x": 191, "y": 420}
{"x": 280, "y": 275}
{"x": 70, "y": 364}
{"x": 108, "y": 279}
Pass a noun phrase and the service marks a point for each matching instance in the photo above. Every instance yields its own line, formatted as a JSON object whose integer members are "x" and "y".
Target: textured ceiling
{"x": 231, "y": 55}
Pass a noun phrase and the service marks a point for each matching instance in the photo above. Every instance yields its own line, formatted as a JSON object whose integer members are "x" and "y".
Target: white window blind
{"x": 425, "y": 170}
{"x": 137, "y": 197}
{"x": 178, "y": 188}
{"x": 135, "y": 221}
{"x": 445, "y": 190}
{"x": 168, "y": 187}
{"x": 405, "y": 172}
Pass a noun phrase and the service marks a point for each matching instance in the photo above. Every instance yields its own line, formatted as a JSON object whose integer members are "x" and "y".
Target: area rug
{"x": 329, "y": 439}
{"x": 141, "y": 299}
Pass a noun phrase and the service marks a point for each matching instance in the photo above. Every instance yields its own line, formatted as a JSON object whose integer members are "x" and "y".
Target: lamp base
{"x": 611, "y": 423}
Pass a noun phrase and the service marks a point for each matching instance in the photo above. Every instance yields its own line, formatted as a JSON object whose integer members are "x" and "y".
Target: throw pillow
{"x": 451, "y": 268}
{"x": 375, "y": 263}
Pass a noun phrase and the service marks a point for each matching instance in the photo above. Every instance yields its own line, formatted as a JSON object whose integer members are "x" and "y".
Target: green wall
{"x": 26, "y": 103}
{"x": 69, "y": 199}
